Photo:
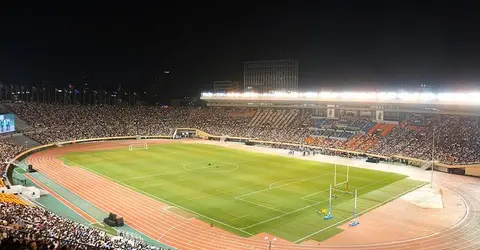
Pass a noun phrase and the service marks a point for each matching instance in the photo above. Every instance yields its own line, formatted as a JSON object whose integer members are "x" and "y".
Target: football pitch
{"x": 243, "y": 192}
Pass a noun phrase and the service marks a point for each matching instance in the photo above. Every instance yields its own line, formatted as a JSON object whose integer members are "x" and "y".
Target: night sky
{"x": 348, "y": 45}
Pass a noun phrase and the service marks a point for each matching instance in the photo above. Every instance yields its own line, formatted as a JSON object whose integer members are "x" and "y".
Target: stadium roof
{"x": 465, "y": 99}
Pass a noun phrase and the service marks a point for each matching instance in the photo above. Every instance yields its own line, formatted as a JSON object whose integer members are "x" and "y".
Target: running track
{"x": 151, "y": 217}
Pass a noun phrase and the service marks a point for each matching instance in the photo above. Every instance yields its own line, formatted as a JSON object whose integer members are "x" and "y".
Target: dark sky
{"x": 345, "y": 44}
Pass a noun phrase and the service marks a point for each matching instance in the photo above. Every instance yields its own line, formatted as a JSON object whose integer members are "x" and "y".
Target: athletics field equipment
{"x": 132, "y": 147}
{"x": 243, "y": 192}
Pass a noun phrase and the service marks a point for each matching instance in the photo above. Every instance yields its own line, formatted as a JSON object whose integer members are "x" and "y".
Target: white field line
{"x": 292, "y": 212}
{"x": 167, "y": 207}
{"x": 307, "y": 199}
{"x": 161, "y": 183}
{"x": 167, "y": 210}
{"x": 260, "y": 205}
{"x": 239, "y": 197}
{"x": 221, "y": 191}
{"x": 283, "y": 185}
{"x": 164, "y": 173}
{"x": 155, "y": 184}
{"x": 308, "y": 195}
{"x": 233, "y": 215}
{"x": 183, "y": 170}
{"x": 286, "y": 213}
{"x": 280, "y": 181}
{"x": 241, "y": 217}
{"x": 360, "y": 188}
{"x": 303, "y": 208}
{"x": 243, "y": 229}
{"x": 280, "y": 216}
{"x": 163, "y": 200}
{"x": 359, "y": 213}
{"x": 238, "y": 216}
{"x": 170, "y": 229}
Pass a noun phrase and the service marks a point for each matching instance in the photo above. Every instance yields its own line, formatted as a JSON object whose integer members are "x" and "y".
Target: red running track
{"x": 152, "y": 217}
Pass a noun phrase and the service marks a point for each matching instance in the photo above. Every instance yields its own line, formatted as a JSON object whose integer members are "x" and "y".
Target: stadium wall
{"x": 472, "y": 171}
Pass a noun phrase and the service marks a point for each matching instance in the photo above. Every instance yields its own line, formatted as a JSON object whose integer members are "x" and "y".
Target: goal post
{"x": 355, "y": 221}
{"x": 329, "y": 215}
{"x": 339, "y": 183}
{"x": 132, "y": 147}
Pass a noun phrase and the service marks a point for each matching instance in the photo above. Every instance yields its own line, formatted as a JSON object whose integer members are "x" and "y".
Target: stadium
{"x": 327, "y": 170}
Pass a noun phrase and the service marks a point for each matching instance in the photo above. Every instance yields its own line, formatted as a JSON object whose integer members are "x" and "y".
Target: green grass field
{"x": 243, "y": 192}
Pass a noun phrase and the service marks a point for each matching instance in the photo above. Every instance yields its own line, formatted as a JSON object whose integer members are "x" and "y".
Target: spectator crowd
{"x": 457, "y": 138}
{"x": 452, "y": 139}
{"x": 32, "y": 227}
{"x": 8, "y": 150}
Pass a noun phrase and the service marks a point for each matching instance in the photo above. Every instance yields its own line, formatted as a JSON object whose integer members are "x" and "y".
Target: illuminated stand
{"x": 329, "y": 215}
{"x": 355, "y": 221}
{"x": 440, "y": 98}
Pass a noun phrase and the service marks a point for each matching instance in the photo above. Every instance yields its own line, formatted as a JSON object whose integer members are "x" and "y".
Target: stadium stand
{"x": 11, "y": 198}
{"x": 8, "y": 150}
{"x": 456, "y": 136}
{"x": 457, "y": 142}
{"x": 33, "y": 227}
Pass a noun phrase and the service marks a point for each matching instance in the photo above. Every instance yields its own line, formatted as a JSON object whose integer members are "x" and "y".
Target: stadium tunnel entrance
{"x": 185, "y": 133}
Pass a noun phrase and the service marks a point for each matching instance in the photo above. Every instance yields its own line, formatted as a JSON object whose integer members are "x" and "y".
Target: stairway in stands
{"x": 387, "y": 129}
{"x": 280, "y": 118}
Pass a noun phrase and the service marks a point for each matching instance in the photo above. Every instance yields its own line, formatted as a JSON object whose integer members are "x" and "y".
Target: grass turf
{"x": 243, "y": 192}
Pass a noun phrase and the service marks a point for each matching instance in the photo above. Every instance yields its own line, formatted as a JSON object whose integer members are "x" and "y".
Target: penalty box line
{"x": 338, "y": 184}
{"x": 360, "y": 188}
{"x": 240, "y": 197}
{"x": 261, "y": 205}
{"x": 283, "y": 185}
{"x": 359, "y": 213}
{"x": 308, "y": 206}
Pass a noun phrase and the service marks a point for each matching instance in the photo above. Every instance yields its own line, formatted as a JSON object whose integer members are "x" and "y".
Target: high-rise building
{"x": 268, "y": 76}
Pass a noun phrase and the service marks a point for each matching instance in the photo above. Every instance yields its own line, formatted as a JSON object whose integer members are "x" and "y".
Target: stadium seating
{"x": 457, "y": 141}
{"x": 11, "y": 198}
{"x": 8, "y": 150}
{"x": 25, "y": 222}
{"x": 456, "y": 138}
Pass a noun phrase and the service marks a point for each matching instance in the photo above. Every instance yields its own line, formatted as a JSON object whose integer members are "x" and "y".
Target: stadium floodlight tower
{"x": 270, "y": 242}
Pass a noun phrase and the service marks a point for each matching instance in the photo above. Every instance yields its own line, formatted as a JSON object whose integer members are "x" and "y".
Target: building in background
{"x": 225, "y": 86}
{"x": 268, "y": 76}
